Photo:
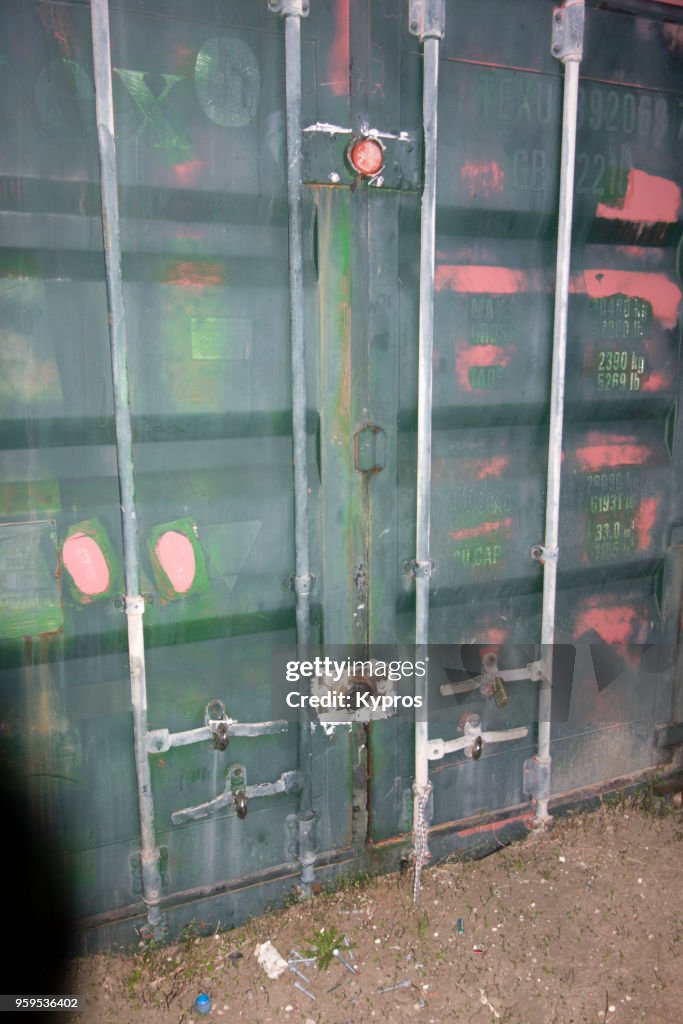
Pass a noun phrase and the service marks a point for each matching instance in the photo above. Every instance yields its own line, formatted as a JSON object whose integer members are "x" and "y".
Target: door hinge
{"x": 370, "y": 449}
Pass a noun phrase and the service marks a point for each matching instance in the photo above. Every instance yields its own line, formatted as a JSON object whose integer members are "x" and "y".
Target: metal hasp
{"x": 567, "y": 45}
{"x": 237, "y": 794}
{"x": 474, "y": 739}
{"x": 426, "y": 20}
{"x": 134, "y": 602}
{"x": 161, "y": 740}
{"x": 293, "y": 11}
{"x": 490, "y": 673}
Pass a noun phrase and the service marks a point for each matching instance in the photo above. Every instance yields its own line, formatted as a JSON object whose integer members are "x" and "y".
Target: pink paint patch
{"x": 494, "y": 467}
{"x": 613, "y": 625}
{"x": 199, "y": 274}
{"x": 480, "y": 279}
{"x": 656, "y": 382}
{"x": 604, "y": 451}
{"x": 496, "y": 636}
{"x": 176, "y": 555}
{"x": 481, "y": 529}
{"x": 483, "y": 179}
{"x": 187, "y": 173}
{"x": 471, "y": 357}
{"x": 86, "y": 564}
{"x": 338, "y": 56}
{"x": 648, "y": 200}
{"x": 645, "y": 521}
{"x": 656, "y": 289}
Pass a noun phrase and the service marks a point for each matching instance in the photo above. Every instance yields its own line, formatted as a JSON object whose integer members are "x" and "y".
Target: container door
{"x": 500, "y": 107}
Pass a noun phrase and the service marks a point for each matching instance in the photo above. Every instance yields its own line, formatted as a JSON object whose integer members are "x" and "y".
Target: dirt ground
{"x": 581, "y": 924}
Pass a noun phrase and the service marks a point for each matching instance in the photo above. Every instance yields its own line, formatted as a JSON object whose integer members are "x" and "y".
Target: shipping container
{"x": 302, "y": 341}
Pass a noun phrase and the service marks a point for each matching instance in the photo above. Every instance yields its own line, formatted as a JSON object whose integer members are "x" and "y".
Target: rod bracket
{"x": 567, "y": 36}
{"x": 427, "y": 18}
{"x": 419, "y": 569}
{"x": 295, "y": 8}
{"x": 302, "y": 584}
{"x": 536, "y": 778}
{"x": 541, "y": 554}
{"x": 134, "y": 604}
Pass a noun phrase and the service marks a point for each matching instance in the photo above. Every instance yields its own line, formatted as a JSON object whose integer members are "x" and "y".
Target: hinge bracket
{"x": 568, "y": 22}
{"x": 418, "y": 569}
{"x": 297, "y": 8}
{"x": 427, "y": 18}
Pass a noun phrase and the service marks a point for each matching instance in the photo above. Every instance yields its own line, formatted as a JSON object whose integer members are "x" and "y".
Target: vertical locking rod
{"x": 293, "y": 11}
{"x": 134, "y": 603}
{"x": 567, "y": 46}
{"x": 430, "y": 31}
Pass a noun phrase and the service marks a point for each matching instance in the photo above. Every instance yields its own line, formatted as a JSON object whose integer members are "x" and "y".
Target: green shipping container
{"x": 262, "y": 230}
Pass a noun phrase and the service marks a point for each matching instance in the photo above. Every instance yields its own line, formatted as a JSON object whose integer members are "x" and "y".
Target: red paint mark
{"x": 195, "y": 275}
{"x": 614, "y": 625}
{"x": 492, "y": 826}
{"x": 657, "y": 289}
{"x": 469, "y": 357}
{"x": 187, "y": 173}
{"x": 185, "y": 58}
{"x": 176, "y": 555}
{"x": 645, "y": 521}
{"x": 481, "y": 529}
{"x": 655, "y": 382}
{"x": 497, "y": 635}
{"x": 480, "y": 279}
{"x": 338, "y": 57}
{"x": 604, "y": 451}
{"x": 494, "y": 467}
{"x": 484, "y": 178}
{"x": 649, "y": 199}
{"x": 86, "y": 564}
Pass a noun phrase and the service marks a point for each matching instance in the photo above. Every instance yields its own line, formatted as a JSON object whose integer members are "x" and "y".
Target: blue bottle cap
{"x": 202, "y": 1003}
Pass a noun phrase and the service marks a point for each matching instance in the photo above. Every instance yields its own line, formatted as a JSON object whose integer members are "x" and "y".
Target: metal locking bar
{"x": 237, "y": 793}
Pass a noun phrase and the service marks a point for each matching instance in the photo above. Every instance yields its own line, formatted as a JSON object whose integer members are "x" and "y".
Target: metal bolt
{"x": 392, "y": 988}
{"x": 304, "y": 990}
{"x": 295, "y": 970}
{"x": 347, "y": 965}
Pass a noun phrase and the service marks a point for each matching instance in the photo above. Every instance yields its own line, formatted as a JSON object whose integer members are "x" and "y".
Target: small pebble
{"x": 562, "y": 860}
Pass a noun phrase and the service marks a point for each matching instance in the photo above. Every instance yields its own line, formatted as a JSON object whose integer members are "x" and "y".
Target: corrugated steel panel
{"x": 202, "y": 173}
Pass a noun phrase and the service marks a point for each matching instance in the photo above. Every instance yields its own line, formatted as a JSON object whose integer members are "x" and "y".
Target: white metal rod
{"x": 552, "y": 515}
{"x": 134, "y": 603}
{"x": 424, "y": 401}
